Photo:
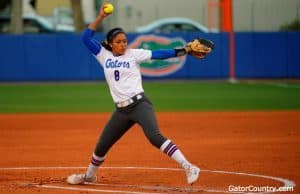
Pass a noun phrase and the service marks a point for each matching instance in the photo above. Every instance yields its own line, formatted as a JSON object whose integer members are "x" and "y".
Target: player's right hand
{"x": 101, "y": 13}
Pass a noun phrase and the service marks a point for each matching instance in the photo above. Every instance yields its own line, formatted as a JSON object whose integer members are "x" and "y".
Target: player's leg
{"x": 144, "y": 115}
{"x": 112, "y": 132}
{"x": 192, "y": 171}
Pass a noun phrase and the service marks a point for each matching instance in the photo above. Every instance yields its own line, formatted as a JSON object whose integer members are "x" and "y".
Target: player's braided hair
{"x": 110, "y": 36}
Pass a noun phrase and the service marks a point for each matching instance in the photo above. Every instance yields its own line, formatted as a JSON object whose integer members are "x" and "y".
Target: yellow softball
{"x": 108, "y": 8}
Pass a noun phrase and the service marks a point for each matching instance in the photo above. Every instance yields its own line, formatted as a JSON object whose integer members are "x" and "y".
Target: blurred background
{"x": 59, "y": 15}
{"x": 47, "y": 35}
{"x": 254, "y": 40}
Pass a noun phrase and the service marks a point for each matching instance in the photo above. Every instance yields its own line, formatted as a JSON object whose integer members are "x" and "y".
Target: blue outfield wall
{"x": 267, "y": 55}
{"x": 63, "y": 57}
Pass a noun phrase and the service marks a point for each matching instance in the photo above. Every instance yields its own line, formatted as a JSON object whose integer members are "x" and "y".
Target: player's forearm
{"x": 163, "y": 54}
{"x": 94, "y": 25}
{"x": 167, "y": 53}
{"x": 101, "y": 15}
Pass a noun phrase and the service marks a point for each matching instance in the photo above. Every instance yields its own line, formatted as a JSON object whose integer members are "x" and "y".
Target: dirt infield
{"x": 246, "y": 149}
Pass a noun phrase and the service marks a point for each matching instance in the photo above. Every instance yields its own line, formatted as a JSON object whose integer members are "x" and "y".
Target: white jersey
{"x": 122, "y": 73}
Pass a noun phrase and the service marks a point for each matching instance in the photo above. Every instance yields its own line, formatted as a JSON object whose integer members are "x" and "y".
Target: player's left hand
{"x": 199, "y": 47}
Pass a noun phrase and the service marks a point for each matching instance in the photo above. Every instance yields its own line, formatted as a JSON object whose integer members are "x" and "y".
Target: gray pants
{"x": 122, "y": 119}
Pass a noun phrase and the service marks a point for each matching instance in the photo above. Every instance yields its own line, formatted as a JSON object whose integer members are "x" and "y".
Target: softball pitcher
{"x": 122, "y": 73}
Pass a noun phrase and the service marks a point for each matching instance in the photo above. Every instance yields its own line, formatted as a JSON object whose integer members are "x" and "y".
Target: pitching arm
{"x": 92, "y": 44}
{"x": 87, "y": 37}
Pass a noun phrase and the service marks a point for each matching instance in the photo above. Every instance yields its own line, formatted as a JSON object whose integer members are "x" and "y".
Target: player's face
{"x": 119, "y": 44}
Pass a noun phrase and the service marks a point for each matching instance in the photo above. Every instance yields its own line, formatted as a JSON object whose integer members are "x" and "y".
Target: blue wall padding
{"x": 64, "y": 57}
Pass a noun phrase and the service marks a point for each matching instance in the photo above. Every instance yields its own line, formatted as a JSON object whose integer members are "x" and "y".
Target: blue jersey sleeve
{"x": 163, "y": 54}
{"x": 92, "y": 44}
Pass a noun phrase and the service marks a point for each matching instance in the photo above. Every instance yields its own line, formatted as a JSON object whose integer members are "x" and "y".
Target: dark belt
{"x": 130, "y": 101}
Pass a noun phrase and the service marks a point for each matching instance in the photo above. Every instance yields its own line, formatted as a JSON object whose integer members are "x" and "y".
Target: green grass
{"x": 165, "y": 95}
